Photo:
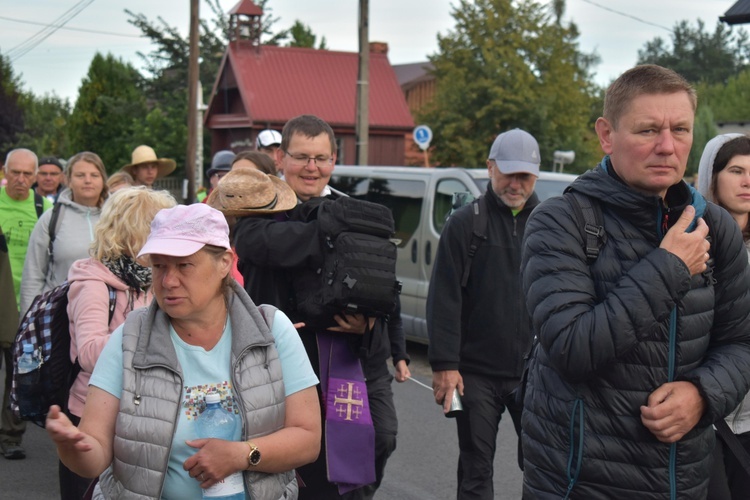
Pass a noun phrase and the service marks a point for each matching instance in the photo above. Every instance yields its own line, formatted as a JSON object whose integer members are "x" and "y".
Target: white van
{"x": 420, "y": 199}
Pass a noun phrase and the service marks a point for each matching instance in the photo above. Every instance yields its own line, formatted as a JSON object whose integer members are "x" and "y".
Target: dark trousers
{"x": 383, "y": 411}
{"x": 484, "y": 401}
{"x": 72, "y": 486}
{"x": 729, "y": 480}
{"x": 11, "y": 427}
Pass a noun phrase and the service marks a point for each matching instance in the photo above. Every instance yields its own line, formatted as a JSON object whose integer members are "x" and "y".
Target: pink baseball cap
{"x": 183, "y": 230}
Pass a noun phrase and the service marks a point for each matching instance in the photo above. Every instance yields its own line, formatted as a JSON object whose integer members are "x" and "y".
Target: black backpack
{"x": 358, "y": 271}
{"x": 46, "y": 327}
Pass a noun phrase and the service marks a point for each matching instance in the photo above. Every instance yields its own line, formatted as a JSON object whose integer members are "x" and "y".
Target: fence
{"x": 173, "y": 185}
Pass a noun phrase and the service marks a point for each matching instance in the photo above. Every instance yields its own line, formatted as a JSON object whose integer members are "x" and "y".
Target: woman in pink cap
{"x": 202, "y": 335}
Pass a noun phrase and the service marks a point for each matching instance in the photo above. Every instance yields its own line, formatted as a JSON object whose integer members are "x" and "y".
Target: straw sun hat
{"x": 246, "y": 191}
{"x": 146, "y": 154}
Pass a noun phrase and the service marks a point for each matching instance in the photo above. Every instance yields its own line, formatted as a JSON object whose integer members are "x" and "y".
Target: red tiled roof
{"x": 246, "y": 7}
{"x": 278, "y": 83}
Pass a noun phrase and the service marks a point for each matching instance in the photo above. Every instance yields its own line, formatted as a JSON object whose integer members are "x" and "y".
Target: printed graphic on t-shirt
{"x": 194, "y": 401}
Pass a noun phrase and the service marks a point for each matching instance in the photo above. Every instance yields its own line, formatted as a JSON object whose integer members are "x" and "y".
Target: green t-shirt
{"x": 17, "y": 219}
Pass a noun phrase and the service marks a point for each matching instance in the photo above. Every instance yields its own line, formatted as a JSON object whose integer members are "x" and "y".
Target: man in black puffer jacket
{"x": 641, "y": 350}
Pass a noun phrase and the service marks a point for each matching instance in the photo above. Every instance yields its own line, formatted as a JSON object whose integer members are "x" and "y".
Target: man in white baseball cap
{"x": 267, "y": 142}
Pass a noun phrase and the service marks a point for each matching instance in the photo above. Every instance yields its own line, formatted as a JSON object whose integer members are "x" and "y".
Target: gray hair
{"x": 21, "y": 150}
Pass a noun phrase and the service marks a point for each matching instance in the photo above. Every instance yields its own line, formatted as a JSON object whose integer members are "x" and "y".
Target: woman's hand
{"x": 62, "y": 431}
{"x": 215, "y": 460}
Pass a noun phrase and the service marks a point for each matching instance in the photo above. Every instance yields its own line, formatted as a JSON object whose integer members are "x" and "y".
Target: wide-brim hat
{"x": 146, "y": 154}
{"x": 247, "y": 191}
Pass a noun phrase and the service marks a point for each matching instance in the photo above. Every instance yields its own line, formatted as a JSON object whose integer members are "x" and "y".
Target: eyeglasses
{"x": 303, "y": 160}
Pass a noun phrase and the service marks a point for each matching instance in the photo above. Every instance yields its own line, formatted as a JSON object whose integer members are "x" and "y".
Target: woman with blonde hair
{"x": 63, "y": 235}
{"x": 112, "y": 269}
{"x": 119, "y": 180}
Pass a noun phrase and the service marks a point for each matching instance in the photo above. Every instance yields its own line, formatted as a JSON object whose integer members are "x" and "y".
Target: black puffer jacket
{"x": 613, "y": 332}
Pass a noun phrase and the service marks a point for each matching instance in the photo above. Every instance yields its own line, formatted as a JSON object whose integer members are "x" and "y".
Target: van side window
{"x": 356, "y": 187}
{"x": 443, "y": 196}
{"x": 404, "y": 198}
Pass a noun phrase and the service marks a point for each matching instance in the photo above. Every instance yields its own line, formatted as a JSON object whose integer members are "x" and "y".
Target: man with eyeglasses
{"x": 49, "y": 178}
{"x": 19, "y": 212}
{"x": 270, "y": 252}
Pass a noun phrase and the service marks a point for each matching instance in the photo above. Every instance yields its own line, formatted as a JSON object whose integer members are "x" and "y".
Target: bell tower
{"x": 245, "y": 23}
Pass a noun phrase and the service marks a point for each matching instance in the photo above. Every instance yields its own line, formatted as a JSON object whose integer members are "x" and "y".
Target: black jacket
{"x": 483, "y": 328}
{"x": 271, "y": 250}
{"x": 614, "y": 331}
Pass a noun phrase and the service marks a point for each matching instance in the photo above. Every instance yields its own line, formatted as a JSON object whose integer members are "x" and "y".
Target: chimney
{"x": 378, "y": 48}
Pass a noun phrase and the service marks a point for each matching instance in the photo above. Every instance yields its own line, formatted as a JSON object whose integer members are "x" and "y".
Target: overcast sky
{"x": 410, "y": 28}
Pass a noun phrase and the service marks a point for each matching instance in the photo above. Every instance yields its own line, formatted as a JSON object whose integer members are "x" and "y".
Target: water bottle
{"x": 216, "y": 422}
{"x": 27, "y": 362}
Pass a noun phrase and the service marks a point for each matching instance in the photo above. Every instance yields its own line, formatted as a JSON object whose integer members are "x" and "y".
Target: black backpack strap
{"x": 478, "y": 234}
{"x": 76, "y": 369}
{"x": 588, "y": 213}
{"x": 112, "y": 302}
{"x": 38, "y": 204}
{"x": 54, "y": 224}
{"x": 734, "y": 445}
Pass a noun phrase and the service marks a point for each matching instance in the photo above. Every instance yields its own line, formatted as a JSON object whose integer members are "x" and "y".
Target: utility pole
{"x": 363, "y": 85}
{"x": 192, "y": 103}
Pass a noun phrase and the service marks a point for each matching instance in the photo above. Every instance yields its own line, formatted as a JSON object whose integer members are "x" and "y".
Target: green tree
{"x": 511, "y": 64}
{"x": 166, "y": 72}
{"x": 46, "y": 121}
{"x": 302, "y": 36}
{"x": 110, "y": 103}
{"x": 11, "y": 111}
{"x": 698, "y": 55}
{"x": 730, "y": 101}
{"x": 704, "y": 130}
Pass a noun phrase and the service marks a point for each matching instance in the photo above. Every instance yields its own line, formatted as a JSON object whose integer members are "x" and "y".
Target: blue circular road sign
{"x": 422, "y": 136}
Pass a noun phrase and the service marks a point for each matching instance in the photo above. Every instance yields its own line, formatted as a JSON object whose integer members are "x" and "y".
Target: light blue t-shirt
{"x": 210, "y": 371}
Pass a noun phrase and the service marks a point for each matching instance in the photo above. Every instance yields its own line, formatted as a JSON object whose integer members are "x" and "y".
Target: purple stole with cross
{"x": 350, "y": 436}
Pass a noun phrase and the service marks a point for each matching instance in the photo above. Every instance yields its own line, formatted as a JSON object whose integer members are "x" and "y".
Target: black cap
{"x": 50, "y": 160}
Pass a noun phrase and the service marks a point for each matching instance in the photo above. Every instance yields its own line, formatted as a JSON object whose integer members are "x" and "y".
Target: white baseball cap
{"x": 267, "y": 138}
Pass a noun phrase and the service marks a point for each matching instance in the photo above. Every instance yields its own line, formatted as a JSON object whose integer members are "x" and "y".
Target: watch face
{"x": 255, "y": 456}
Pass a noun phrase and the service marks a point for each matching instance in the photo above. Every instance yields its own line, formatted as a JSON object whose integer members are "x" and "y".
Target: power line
{"x": 627, "y": 15}
{"x": 68, "y": 28}
{"x": 33, "y": 41}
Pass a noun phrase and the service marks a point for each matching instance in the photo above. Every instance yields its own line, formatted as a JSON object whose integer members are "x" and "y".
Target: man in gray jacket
{"x": 643, "y": 348}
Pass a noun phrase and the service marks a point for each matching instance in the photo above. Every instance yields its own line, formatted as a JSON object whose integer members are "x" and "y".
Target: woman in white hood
{"x": 724, "y": 178}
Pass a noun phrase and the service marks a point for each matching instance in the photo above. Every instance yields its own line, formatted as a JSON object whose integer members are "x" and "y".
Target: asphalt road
{"x": 423, "y": 467}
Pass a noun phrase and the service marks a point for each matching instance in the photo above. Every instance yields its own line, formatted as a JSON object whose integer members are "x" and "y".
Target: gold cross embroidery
{"x": 348, "y": 398}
